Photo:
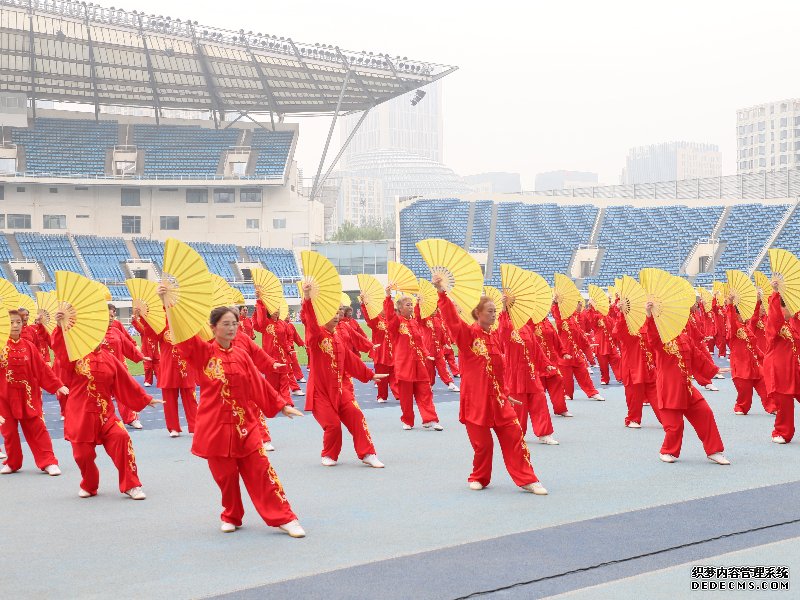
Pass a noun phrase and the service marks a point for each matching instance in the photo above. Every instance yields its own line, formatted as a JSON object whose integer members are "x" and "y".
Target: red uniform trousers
{"x": 700, "y": 416}
{"x": 331, "y": 418}
{"x": 450, "y": 358}
{"x": 744, "y": 399}
{"x": 170, "y": 397}
{"x": 721, "y": 344}
{"x": 581, "y": 374}
{"x": 262, "y": 485}
{"x": 150, "y": 369}
{"x": 280, "y": 381}
{"x": 127, "y": 415}
{"x": 702, "y": 381}
{"x": 387, "y": 382}
{"x": 516, "y": 456}
{"x": 38, "y": 439}
{"x": 421, "y": 392}
{"x": 263, "y": 428}
{"x": 535, "y": 407}
{"x": 784, "y": 420}
{"x": 298, "y": 372}
{"x": 292, "y": 381}
{"x": 554, "y": 384}
{"x": 440, "y": 366}
{"x": 118, "y": 446}
{"x": 636, "y": 394}
{"x": 604, "y": 361}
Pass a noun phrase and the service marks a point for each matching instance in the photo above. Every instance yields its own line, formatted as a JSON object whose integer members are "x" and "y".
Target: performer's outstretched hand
{"x": 291, "y": 412}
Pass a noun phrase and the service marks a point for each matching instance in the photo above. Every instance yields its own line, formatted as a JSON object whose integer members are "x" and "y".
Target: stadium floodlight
{"x": 419, "y": 95}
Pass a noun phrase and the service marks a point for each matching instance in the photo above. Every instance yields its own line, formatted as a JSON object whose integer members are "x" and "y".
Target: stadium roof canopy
{"x": 68, "y": 51}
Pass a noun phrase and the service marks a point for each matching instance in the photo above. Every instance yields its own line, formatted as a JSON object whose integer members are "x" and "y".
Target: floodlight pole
{"x": 271, "y": 102}
{"x": 342, "y": 149}
{"x": 310, "y": 73}
{"x": 216, "y": 100}
{"x": 92, "y": 65}
{"x": 32, "y": 57}
{"x": 315, "y": 186}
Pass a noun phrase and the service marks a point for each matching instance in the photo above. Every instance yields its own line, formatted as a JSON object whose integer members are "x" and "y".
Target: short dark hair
{"x": 220, "y": 312}
{"x": 112, "y": 307}
{"x": 14, "y": 313}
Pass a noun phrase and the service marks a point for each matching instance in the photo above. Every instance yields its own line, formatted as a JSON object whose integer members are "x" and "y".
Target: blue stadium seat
{"x": 103, "y": 256}
{"x": 273, "y": 152}
{"x": 182, "y": 150}
{"x": 150, "y": 250}
{"x": 52, "y": 250}
{"x": 278, "y": 260}
{"x": 218, "y": 257}
{"x": 445, "y": 218}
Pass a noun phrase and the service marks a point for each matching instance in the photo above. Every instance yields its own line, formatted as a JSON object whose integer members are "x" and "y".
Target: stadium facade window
{"x": 167, "y": 189}
{"x": 224, "y": 196}
{"x": 130, "y": 197}
{"x": 2, "y": 221}
{"x": 196, "y": 196}
{"x": 21, "y": 190}
{"x": 253, "y": 223}
{"x": 225, "y": 216}
{"x": 18, "y": 221}
{"x": 170, "y": 223}
{"x": 279, "y": 223}
{"x": 53, "y": 190}
{"x": 54, "y": 221}
{"x": 8, "y": 165}
{"x": 81, "y": 216}
{"x": 250, "y": 195}
{"x": 2, "y": 193}
{"x": 131, "y": 224}
{"x": 81, "y": 188}
{"x": 196, "y": 217}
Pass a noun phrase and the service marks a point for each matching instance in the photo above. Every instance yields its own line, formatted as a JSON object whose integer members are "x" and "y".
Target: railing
{"x": 754, "y": 186}
{"x": 103, "y": 177}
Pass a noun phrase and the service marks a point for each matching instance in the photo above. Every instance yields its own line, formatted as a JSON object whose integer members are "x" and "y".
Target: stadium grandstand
{"x": 596, "y": 234}
{"x": 119, "y": 129}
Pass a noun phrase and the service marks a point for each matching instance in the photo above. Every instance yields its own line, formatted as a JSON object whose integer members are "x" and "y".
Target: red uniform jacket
{"x": 746, "y": 358}
{"x": 720, "y": 321}
{"x": 120, "y": 344}
{"x": 676, "y": 362}
{"x": 175, "y": 371}
{"x": 149, "y": 344}
{"x": 37, "y": 335}
{"x": 246, "y": 324}
{"x": 332, "y": 363}
{"x": 354, "y": 337}
{"x": 782, "y": 361}
{"x": 636, "y": 359}
{"x": 573, "y": 340}
{"x": 92, "y": 381}
{"x": 758, "y": 325}
{"x": 23, "y": 374}
{"x": 383, "y": 354}
{"x": 273, "y": 335}
{"x": 550, "y": 342}
{"x": 484, "y": 400}
{"x": 410, "y": 351}
{"x": 231, "y": 393}
{"x": 602, "y": 326}
{"x": 523, "y": 354}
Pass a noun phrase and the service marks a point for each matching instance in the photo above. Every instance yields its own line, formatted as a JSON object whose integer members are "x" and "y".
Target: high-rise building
{"x": 768, "y": 137}
{"x": 670, "y": 161}
{"x": 399, "y": 125}
{"x": 495, "y": 183}
{"x": 564, "y": 180}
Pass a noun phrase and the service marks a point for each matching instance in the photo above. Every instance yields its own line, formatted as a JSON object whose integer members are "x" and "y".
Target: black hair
{"x": 220, "y": 312}
{"x": 112, "y": 307}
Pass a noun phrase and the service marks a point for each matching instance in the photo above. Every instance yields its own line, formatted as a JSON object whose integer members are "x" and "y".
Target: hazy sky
{"x": 552, "y": 85}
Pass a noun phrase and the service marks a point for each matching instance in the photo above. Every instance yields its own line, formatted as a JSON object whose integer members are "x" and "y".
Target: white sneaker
{"x": 136, "y": 493}
{"x": 52, "y": 470}
{"x": 711, "y": 387}
{"x": 298, "y": 393}
{"x": 328, "y": 462}
{"x": 718, "y": 458}
{"x": 407, "y": 427}
{"x": 597, "y": 397}
{"x": 453, "y": 387}
{"x": 603, "y": 383}
{"x": 146, "y": 384}
{"x": 633, "y": 425}
{"x": 779, "y": 439}
{"x": 82, "y": 493}
{"x": 567, "y": 398}
{"x": 565, "y": 414}
{"x": 667, "y": 458}
{"x": 433, "y": 425}
{"x": 548, "y": 440}
{"x": 6, "y": 470}
{"x": 268, "y": 446}
{"x": 535, "y": 488}
{"x": 226, "y": 527}
{"x": 2, "y": 454}
{"x": 301, "y": 380}
{"x": 738, "y": 412}
{"x": 719, "y": 376}
{"x": 372, "y": 461}
{"x": 475, "y": 485}
{"x": 591, "y": 371}
{"x": 62, "y": 417}
{"x": 174, "y": 434}
{"x": 293, "y": 529}
{"x": 136, "y": 424}
{"x": 381, "y": 400}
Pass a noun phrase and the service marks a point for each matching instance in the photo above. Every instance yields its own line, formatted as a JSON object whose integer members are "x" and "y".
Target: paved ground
{"x": 617, "y": 523}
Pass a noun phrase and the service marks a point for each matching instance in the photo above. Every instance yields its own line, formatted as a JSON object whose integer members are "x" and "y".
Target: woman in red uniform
{"x": 231, "y": 393}
{"x": 484, "y": 405}
{"x": 382, "y": 353}
{"x": 746, "y": 363}
{"x": 432, "y": 342}
{"x": 676, "y": 361}
{"x": 607, "y": 353}
{"x": 293, "y": 339}
{"x": 273, "y": 340}
{"x": 329, "y": 399}
{"x": 576, "y": 346}
{"x": 36, "y": 334}
{"x": 122, "y": 346}
{"x": 246, "y": 323}
{"x": 411, "y": 357}
{"x": 758, "y": 323}
{"x": 524, "y": 360}
{"x": 90, "y": 419}
{"x": 175, "y": 378}
{"x": 23, "y": 374}
{"x": 149, "y": 349}
{"x": 720, "y": 322}
{"x": 638, "y": 371}
{"x": 782, "y": 365}
{"x": 695, "y": 329}
{"x": 446, "y": 343}
{"x": 552, "y": 381}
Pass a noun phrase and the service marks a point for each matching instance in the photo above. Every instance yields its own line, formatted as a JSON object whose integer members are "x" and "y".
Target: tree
{"x": 371, "y": 230}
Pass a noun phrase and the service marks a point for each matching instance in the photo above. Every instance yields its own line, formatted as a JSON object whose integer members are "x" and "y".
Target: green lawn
{"x": 138, "y": 369}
